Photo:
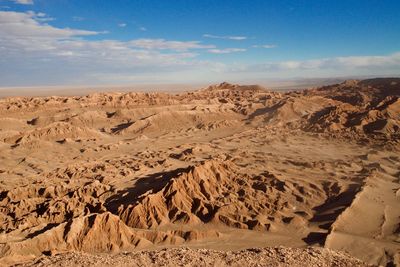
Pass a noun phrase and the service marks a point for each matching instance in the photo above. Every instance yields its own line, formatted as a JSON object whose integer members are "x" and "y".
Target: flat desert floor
{"x": 225, "y": 175}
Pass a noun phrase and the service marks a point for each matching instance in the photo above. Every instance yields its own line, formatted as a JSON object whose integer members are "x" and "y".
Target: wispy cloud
{"x": 235, "y": 38}
{"x": 40, "y": 16}
{"x": 44, "y": 52}
{"x": 30, "y": 47}
{"x": 122, "y": 25}
{"x": 162, "y": 44}
{"x": 226, "y": 50}
{"x": 77, "y": 18}
{"x": 138, "y": 26}
{"x": 267, "y": 46}
{"x": 26, "y": 31}
{"x": 356, "y": 65}
{"x": 24, "y": 2}
{"x": 21, "y": 27}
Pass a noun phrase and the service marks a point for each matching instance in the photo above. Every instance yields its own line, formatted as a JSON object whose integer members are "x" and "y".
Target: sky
{"x": 100, "y": 42}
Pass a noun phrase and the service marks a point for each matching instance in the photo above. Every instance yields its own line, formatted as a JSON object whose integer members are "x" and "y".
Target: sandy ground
{"x": 279, "y": 256}
{"x": 224, "y": 168}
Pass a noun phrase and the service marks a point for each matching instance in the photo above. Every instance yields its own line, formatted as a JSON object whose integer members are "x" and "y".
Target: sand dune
{"x": 224, "y": 168}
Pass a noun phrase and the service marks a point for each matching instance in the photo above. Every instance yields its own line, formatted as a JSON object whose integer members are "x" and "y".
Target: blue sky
{"x": 90, "y": 42}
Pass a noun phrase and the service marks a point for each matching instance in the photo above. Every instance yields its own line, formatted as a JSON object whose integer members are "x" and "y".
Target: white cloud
{"x": 235, "y": 38}
{"x": 24, "y": 2}
{"x": 161, "y": 44}
{"x": 335, "y": 63}
{"x": 381, "y": 65}
{"x": 41, "y": 17}
{"x": 32, "y": 52}
{"x": 143, "y": 29}
{"x": 122, "y": 25}
{"x": 17, "y": 26}
{"x": 267, "y": 46}
{"x": 77, "y": 18}
{"x": 226, "y": 50}
{"x": 47, "y": 54}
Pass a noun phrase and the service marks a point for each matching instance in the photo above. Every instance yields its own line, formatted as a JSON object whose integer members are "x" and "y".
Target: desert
{"x": 227, "y": 175}
{"x": 210, "y": 133}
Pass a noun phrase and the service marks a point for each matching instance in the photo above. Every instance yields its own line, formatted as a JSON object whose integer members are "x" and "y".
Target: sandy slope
{"x": 228, "y": 167}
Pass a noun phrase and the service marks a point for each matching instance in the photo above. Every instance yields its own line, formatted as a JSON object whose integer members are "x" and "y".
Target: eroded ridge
{"x": 227, "y": 167}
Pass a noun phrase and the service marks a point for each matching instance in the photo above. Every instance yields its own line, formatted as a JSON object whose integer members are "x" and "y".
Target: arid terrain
{"x": 225, "y": 175}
